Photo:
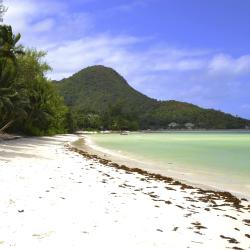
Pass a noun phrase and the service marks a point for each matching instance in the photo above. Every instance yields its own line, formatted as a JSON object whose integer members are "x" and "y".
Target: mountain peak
{"x": 99, "y": 70}
{"x": 100, "y": 86}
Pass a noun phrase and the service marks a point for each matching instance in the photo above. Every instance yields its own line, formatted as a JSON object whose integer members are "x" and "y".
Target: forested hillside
{"x": 100, "y": 98}
{"x": 95, "y": 89}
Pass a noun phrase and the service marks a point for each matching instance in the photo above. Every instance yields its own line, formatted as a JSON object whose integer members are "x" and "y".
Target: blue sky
{"x": 196, "y": 51}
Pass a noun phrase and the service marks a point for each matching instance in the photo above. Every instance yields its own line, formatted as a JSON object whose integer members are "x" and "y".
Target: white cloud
{"x": 71, "y": 56}
{"x": 22, "y": 14}
{"x": 44, "y": 22}
{"x": 226, "y": 64}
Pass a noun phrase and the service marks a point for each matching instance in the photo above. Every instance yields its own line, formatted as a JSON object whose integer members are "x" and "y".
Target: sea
{"x": 215, "y": 159}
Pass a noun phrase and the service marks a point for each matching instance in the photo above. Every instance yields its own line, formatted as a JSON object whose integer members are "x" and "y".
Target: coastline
{"x": 86, "y": 144}
{"x": 53, "y": 197}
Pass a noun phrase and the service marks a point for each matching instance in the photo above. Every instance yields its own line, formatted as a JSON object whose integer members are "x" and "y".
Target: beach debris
{"x": 247, "y": 222}
{"x": 190, "y": 199}
{"x": 230, "y": 240}
{"x": 153, "y": 195}
{"x": 179, "y": 206}
{"x": 229, "y": 216}
{"x": 198, "y": 232}
{"x": 194, "y": 206}
{"x": 198, "y": 225}
{"x": 168, "y": 202}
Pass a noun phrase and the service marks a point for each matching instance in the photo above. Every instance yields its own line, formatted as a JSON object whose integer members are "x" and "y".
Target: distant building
{"x": 189, "y": 125}
{"x": 173, "y": 125}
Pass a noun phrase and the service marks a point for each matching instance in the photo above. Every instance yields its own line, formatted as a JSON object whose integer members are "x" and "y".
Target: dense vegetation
{"x": 99, "y": 98}
{"x": 29, "y": 102}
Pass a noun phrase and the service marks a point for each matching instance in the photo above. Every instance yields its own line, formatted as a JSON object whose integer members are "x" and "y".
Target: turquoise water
{"x": 221, "y": 159}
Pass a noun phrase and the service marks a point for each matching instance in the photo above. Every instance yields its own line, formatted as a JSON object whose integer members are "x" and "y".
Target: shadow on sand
{"x": 22, "y": 147}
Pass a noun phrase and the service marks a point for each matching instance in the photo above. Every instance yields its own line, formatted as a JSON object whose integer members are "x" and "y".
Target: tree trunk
{"x": 7, "y": 125}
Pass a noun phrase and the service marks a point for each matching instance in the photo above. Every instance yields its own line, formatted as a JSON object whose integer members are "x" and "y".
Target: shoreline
{"x": 88, "y": 146}
{"x": 91, "y": 153}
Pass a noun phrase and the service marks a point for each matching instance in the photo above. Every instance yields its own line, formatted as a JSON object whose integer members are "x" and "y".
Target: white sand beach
{"x": 53, "y": 198}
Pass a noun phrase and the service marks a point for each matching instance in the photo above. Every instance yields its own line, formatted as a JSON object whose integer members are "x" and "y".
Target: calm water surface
{"x": 220, "y": 159}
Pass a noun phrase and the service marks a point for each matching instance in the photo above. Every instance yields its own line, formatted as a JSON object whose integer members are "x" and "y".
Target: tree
{"x": 11, "y": 102}
{"x": 8, "y": 44}
{"x": 46, "y": 112}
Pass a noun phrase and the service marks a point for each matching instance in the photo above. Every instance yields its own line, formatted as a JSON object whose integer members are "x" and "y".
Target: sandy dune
{"x": 52, "y": 198}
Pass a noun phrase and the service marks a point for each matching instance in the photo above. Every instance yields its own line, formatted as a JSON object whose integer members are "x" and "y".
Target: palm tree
{"x": 9, "y": 96}
{"x": 8, "y": 44}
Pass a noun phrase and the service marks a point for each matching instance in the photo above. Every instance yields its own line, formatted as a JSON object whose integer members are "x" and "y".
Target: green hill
{"x": 102, "y": 99}
{"x": 96, "y": 88}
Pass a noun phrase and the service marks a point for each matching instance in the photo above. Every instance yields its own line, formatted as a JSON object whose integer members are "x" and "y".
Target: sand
{"x": 53, "y": 198}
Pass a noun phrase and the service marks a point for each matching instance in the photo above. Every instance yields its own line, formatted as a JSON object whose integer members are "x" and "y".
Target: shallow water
{"x": 220, "y": 159}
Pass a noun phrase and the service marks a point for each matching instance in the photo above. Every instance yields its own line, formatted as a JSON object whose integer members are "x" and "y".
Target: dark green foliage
{"x": 46, "y": 113}
{"x": 182, "y": 113}
{"x": 8, "y": 44}
{"x": 12, "y": 98}
{"x": 101, "y": 99}
{"x": 29, "y": 102}
{"x": 97, "y": 88}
